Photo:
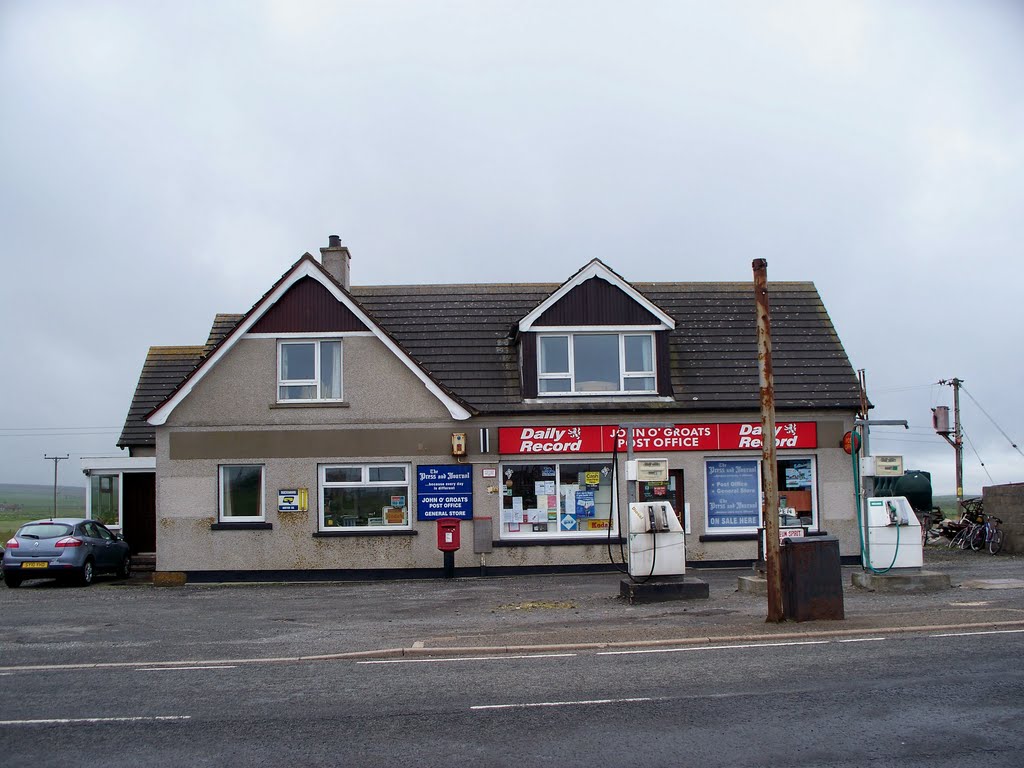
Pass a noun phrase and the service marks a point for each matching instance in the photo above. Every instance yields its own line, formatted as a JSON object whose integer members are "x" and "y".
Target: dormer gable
{"x": 596, "y": 296}
{"x": 596, "y": 336}
{"x": 308, "y": 307}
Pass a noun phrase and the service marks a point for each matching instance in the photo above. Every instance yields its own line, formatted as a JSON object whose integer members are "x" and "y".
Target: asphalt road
{"x": 920, "y": 699}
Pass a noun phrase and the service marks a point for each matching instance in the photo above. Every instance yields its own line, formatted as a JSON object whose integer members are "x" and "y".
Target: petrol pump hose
{"x": 855, "y": 441}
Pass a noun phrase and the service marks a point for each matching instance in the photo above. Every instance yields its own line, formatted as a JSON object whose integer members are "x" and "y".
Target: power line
{"x": 971, "y": 443}
{"x": 992, "y": 420}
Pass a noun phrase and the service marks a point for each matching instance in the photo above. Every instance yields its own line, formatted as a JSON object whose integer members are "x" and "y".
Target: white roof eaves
{"x": 305, "y": 268}
{"x": 596, "y": 268}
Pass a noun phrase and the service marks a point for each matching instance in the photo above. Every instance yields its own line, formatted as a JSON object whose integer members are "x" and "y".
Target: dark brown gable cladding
{"x": 596, "y": 302}
{"x": 308, "y": 307}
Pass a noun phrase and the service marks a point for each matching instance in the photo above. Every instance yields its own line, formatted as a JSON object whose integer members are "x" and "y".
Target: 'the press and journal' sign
{"x": 444, "y": 490}
{"x": 679, "y": 437}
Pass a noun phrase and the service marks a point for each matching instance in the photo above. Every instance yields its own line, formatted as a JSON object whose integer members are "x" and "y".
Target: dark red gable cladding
{"x": 596, "y": 302}
{"x": 308, "y": 307}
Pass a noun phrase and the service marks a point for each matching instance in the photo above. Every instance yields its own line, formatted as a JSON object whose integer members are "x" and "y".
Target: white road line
{"x": 988, "y": 632}
{"x": 862, "y": 640}
{"x": 470, "y": 658}
{"x": 481, "y": 707}
{"x": 93, "y": 720}
{"x": 181, "y": 669}
{"x": 710, "y": 648}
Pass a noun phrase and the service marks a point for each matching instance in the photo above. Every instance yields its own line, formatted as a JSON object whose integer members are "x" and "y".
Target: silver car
{"x": 64, "y": 548}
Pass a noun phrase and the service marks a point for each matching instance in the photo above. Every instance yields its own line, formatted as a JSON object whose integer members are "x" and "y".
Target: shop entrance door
{"x": 672, "y": 492}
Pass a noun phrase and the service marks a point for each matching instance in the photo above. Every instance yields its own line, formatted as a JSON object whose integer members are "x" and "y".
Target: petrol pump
{"x": 657, "y": 542}
{"x": 891, "y": 530}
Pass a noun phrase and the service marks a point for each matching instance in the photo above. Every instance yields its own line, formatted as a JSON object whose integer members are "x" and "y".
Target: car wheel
{"x": 125, "y": 569}
{"x": 13, "y": 581}
{"x": 85, "y": 577}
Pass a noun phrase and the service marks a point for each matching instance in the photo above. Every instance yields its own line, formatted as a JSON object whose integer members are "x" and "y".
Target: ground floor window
{"x": 797, "y": 483}
{"x": 241, "y": 493}
{"x": 105, "y": 499}
{"x": 364, "y": 496}
{"x": 733, "y": 492}
{"x": 557, "y": 500}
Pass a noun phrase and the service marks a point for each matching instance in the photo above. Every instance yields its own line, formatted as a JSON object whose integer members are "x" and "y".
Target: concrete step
{"x": 144, "y": 561}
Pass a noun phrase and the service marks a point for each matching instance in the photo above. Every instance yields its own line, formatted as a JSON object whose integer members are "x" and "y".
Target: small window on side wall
{"x": 309, "y": 371}
{"x": 241, "y": 493}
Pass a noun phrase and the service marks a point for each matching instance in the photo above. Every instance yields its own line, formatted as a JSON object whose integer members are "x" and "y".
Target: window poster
{"x": 733, "y": 493}
{"x": 585, "y": 504}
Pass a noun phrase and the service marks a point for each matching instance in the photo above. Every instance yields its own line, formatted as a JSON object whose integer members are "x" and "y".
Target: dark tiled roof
{"x": 164, "y": 368}
{"x": 464, "y": 337}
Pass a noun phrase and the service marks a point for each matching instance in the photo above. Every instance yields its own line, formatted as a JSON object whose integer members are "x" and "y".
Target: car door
{"x": 101, "y": 551}
{"x": 115, "y": 550}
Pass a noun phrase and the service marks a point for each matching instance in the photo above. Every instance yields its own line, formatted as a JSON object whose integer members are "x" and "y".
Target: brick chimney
{"x": 336, "y": 259}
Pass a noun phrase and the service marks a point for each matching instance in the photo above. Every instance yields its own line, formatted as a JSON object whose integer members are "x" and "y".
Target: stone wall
{"x": 1007, "y": 503}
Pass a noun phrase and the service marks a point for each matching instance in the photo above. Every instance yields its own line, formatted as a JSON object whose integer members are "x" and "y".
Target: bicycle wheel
{"x": 978, "y": 538}
{"x": 995, "y": 543}
{"x": 957, "y": 538}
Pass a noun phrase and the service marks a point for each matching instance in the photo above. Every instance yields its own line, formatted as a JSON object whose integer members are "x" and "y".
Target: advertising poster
{"x": 444, "y": 490}
{"x": 734, "y": 494}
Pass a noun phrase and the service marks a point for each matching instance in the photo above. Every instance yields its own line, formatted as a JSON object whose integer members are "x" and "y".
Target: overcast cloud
{"x": 162, "y": 162}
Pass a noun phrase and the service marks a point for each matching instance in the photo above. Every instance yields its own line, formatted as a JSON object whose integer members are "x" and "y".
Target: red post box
{"x": 448, "y": 534}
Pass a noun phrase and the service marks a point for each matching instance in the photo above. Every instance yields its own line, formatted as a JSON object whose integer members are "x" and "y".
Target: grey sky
{"x": 162, "y": 162}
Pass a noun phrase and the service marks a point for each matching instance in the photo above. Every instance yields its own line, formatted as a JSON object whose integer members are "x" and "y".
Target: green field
{"x": 21, "y": 503}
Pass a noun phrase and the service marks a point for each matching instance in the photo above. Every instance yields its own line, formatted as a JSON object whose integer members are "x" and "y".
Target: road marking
{"x": 710, "y": 648}
{"x": 181, "y": 669}
{"x": 990, "y": 632}
{"x": 589, "y": 702}
{"x": 93, "y": 720}
{"x": 470, "y": 658}
{"x": 862, "y": 640}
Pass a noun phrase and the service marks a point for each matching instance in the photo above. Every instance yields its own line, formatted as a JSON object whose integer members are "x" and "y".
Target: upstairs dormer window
{"x": 308, "y": 370}
{"x": 596, "y": 363}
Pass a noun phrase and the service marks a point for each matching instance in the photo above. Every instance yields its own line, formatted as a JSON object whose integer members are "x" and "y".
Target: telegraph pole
{"x": 957, "y": 440}
{"x": 55, "y": 459}
{"x": 769, "y": 466}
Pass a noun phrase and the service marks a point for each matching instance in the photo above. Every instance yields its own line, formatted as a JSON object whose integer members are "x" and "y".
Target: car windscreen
{"x": 45, "y": 531}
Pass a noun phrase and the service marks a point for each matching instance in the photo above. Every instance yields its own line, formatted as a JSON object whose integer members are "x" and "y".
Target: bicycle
{"x": 989, "y": 535}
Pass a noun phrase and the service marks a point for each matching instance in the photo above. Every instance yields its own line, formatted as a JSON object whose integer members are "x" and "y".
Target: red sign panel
{"x": 680, "y": 437}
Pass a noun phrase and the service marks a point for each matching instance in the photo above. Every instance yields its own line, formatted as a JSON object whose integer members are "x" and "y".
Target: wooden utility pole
{"x": 769, "y": 467}
{"x": 957, "y": 441}
{"x": 54, "y": 459}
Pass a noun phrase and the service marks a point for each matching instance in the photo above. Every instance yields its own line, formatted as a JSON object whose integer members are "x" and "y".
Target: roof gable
{"x": 305, "y": 267}
{"x": 308, "y": 307}
{"x": 596, "y": 296}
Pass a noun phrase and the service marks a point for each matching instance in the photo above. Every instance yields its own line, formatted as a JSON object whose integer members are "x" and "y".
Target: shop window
{"x": 796, "y": 486}
{"x": 241, "y": 493}
{"x": 733, "y": 493}
{"x": 605, "y": 363}
{"x": 105, "y": 499}
{"x": 364, "y": 497}
{"x": 309, "y": 371}
{"x": 557, "y": 500}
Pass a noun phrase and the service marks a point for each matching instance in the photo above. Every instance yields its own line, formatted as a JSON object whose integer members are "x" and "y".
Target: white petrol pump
{"x": 894, "y": 534}
{"x": 657, "y": 545}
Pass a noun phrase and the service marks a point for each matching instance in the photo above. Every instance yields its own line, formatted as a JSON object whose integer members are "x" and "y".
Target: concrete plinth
{"x": 908, "y": 580}
{"x": 753, "y": 585}
{"x": 663, "y": 588}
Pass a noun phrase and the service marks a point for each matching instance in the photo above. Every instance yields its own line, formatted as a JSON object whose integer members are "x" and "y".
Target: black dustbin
{"x": 812, "y": 578}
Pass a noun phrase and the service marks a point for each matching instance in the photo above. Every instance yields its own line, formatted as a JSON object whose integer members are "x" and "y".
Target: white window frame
{"x": 815, "y": 524}
{"x": 314, "y": 382}
{"x": 120, "y": 498}
{"x": 623, "y": 374}
{"x": 262, "y": 516}
{"x": 554, "y": 536}
{"x": 364, "y": 482}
